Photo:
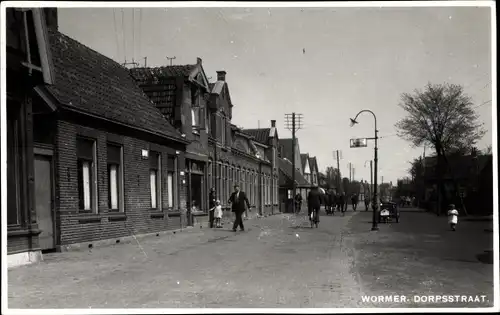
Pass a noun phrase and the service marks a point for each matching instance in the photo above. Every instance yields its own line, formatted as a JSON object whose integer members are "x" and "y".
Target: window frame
{"x": 93, "y": 189}
{"x": 158, "y": 181}
{"x": 121, "y": 183}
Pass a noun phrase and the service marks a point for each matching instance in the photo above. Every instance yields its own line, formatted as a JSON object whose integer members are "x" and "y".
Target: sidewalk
{"x": 421, "y": 256}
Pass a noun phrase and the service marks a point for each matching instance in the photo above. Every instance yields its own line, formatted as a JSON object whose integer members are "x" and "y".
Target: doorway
{"x": 44, "y": 201}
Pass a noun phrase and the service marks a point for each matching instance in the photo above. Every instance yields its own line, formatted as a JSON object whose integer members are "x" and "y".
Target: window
{"x": 87, "y": 174}
{"x": 155, "y": 179}
{"x": 170, "y": 183}
{"x": 223, "y": 125}
{"x": 115, "y": 178}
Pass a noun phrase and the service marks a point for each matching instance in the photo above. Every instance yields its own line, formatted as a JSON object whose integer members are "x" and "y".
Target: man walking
{"x": 354, "y": 200}
{"x": 314, "y": 202}
{"x": 211, "y": 204}
{"x": 367, "y": 202}
{"x": 238, "y": 200}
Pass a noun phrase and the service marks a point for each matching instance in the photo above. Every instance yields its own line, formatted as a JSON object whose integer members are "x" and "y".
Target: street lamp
{"x": 375, "y": 159}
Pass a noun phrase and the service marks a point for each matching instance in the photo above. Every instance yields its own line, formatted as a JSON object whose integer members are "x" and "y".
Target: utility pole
{"x": 339, "y": 177}
{"x": 371, "y": 176}
{"x": 293, "y": 123}
{"x": 170, "y": 59}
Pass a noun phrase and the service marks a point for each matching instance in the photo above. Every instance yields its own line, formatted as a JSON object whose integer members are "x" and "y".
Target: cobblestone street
{"x": 278, "y": 262}
{"x": 265, "y": 266}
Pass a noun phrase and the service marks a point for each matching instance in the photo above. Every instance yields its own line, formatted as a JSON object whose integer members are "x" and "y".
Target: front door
{"x": 43, "y": 201}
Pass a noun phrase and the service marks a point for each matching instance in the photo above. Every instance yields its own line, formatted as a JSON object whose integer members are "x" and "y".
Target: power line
{"x": 123, "y": 33}
{"x": 116, "y": 35}
{"x": 133, "y": 34}
{"x": 140, "y": 34}
{"x": 482, "y": 104}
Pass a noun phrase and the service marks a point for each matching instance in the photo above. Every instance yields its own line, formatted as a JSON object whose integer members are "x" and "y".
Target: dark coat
{"x": 314, "y": 199}
{"x": 238, "y": 204}
{"x": 211, "y": 199}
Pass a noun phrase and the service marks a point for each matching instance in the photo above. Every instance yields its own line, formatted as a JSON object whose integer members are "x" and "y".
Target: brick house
{"x": 112, "y": 157}
{"x": 266, "y": 142}
{"x": 286, "y": 152}
{"x": 29, "y": 64}
{"x": 286, "y": 184}
{"x": 237, "y": 156}
{"x": 181, "y": 93}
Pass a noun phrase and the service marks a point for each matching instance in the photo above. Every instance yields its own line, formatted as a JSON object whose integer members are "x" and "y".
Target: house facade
{"x": 236, "y": 156}
{"x": 182, "y": 93}
{"x": 29, "y": 64}
{"x": 286, "y": 152}
{"x": 106, "y": 163}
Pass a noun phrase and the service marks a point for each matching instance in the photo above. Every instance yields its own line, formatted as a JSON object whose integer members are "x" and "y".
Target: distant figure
{"x": 341, "y": 202}
{"x": 452, "y": 217}
{"x": 367, "y": 202}
{"x": 211, "y": 204}
{"x": 298, "y": 202}
{"x": 303, "y": 50}
{"x": 354, "y": 200}
{"x": 314, "y": 202}
{"x": 218, "y": 214}
{"x": 332, "y": 200}
{"x": 346, "y": 201}
{"x": 238, "y": 200}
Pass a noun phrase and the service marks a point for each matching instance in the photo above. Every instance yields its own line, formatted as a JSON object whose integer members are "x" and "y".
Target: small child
{"x": 218, "y": 214}
{"x": 452, "y": 217}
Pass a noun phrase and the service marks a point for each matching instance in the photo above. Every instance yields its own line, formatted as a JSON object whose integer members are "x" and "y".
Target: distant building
{"x": 467, "y": 180}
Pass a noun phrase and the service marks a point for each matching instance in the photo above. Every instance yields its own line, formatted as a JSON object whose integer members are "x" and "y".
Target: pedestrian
{"x": 341, "y": 202}
{"x": 314, "y": 202}
{"x": 452, "y": 217}
{"x": 298, "y": 202}
{"x": 367, "y": 202}
{"x": 218, "y": 214}
{"x": 354, "y": 200}
{"x": 211, "y": 204}
{"x": 238, "y": 200}
{"x": 331, "y": 202}
{"x": 346, "y": 201}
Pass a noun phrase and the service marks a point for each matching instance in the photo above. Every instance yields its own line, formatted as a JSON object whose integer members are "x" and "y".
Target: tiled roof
{"x": 313, "y": 163}
{"x": 90, "y": 82}
{"x": 287, "y": 148}
{"x": 286, "y": 168}
{"x": 303, "y": 159}
{"x": 260, "y": 135}
{"x": 148, "y": 75}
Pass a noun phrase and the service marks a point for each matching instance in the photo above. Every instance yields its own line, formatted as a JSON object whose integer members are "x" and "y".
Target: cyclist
{"x": 314, "y": 203}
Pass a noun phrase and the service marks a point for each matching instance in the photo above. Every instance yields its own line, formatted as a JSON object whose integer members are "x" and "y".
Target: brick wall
{"x": 138, "y": 217}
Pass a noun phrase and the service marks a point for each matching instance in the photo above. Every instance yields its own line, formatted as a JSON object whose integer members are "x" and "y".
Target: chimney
{"x": 198, "y": 61}
{"x": 221, "y": 75}
{"x": 51, "y": 18}
{"x": 273, "y": 123}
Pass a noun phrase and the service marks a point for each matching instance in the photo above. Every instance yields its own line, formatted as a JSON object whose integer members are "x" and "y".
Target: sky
{"x": 324, "y": 63}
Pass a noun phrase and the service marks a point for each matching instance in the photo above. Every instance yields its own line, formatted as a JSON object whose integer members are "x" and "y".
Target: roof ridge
{"x": 67, "y": 37}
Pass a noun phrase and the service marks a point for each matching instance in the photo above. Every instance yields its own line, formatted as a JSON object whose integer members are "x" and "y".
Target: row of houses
{"x": 97, "y": 152}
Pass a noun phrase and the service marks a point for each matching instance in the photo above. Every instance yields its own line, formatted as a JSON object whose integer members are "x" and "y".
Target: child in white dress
{"x": 218, "y": 214}
{"x": 452, "y": 217}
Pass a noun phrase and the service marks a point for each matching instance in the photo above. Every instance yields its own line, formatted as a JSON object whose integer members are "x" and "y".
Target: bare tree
{"x": 441, "y": 116}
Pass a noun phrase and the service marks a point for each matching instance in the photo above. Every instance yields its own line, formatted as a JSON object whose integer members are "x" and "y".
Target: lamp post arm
{"x": 368, "y": 111}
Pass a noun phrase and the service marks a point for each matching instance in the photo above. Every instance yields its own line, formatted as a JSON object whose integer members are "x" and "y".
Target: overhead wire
{"x": 133, "y": 35}
{"x": 116, "y": 36}
{"x": 123, "y": 33}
